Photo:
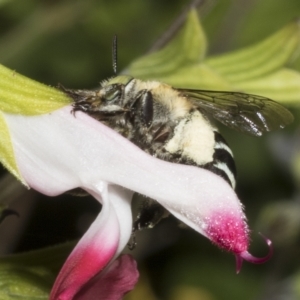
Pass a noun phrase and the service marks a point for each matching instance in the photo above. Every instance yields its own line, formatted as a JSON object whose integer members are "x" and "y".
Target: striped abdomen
{"x": 223, "y": 163}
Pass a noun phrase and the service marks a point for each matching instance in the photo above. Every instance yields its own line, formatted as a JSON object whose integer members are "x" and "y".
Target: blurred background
{"x": 69, "y": 42}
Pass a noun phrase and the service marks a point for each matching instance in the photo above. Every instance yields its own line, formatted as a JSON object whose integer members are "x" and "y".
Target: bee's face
{"x": 111, "y": 94}
{"x": 114, "y": 91}
{"x": 109, "y": 99}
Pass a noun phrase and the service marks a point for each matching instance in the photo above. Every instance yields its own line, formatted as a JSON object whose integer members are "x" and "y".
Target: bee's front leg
{"x": 80, "y": 106}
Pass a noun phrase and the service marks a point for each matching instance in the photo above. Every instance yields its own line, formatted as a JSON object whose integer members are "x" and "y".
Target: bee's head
{"x": 113, "y": 92}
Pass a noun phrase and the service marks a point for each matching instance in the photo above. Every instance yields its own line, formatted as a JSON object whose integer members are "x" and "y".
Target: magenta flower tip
{"x": 245, "y": 255}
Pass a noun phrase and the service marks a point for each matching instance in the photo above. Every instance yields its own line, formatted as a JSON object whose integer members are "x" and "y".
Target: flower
{"x": 58, "y": 151}
{"x": 51, "y": 150}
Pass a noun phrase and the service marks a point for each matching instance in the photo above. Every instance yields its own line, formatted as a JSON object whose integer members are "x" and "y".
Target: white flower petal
{"x": 60, "y": 151}
{"x": 120, "y": 199}
{"x": 85, "y": 262}
{"x": 99, "y": 247}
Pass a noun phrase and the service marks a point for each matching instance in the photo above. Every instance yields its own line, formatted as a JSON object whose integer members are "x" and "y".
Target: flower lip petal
{"x": 119, "y": 279}
{"x": 85, "y": 262}
{"x": 120, "y": 200}
{"x": 245, "y": 255}
{"x": 68, "y": 156}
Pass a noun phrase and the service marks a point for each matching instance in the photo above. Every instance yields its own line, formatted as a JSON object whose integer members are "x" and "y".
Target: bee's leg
{"x": 161, "y": 133}
{"x": 81, "y": 106}
{"x": 76, "y": 95}
{"x": 132, "y": 242}
{"x": 79, "y": 192}
{"x": 150, "y": 214}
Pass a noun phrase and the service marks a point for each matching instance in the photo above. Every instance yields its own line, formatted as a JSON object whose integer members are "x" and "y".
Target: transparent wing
{"x": 243, "y": 112}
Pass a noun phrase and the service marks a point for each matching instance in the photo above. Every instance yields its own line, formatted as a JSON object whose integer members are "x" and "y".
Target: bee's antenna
{"x": 115, "y": 54}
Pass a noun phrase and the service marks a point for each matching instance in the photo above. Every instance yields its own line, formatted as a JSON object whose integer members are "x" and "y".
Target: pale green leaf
{"x": 259, "y": 69}
{"x": 282, "y": 85}
{"x": 188, "y": 47}
{"x": 18, "y": 283}
{"x": 30, "y": 276}
{"x": 296, "y": 285}
{"x": 263, "y": 58}
{"x": 197, "y": 76}
{"x": 3, "y": 2}
{"x": 21, "y": 95}
{"x": 7, "y": 157}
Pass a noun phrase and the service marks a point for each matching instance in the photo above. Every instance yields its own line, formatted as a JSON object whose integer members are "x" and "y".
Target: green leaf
{"x": 187, "y": 48}
{"x": 198, "y": 76}
{"x": 16, "y": 283}
{"x": 296, "y": 285}
{"x": 285, "y": 213}
{"x": 21, "y": 95}
{"x": 282, "y": 85}
{"x": 261, "y": 59}
{"x": 30, "y": 276}
{"x": 260, "y": 69}
{"x": 7, "y": 157}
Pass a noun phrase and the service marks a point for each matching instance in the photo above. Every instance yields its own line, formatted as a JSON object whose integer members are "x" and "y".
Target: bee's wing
{"x": 243, "y": 112}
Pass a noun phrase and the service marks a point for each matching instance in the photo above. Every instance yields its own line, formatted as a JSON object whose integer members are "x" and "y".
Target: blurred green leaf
{"x": 261, "y": 59}
{"x": 297, "y": 286}
{"x": 280, "y": 221}
{"x": 259, "y": 69}
{"x": 282, "y": 85}
{"x": 3, "y": 2}
{"x": 187, "y": 48}
{"x": 31, "y": 30}
{"x": 29, "y": 276}
{"x": 17, "y": 283}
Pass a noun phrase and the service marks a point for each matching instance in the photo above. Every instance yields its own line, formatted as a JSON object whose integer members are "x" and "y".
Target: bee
{"x": 176, "y": 125}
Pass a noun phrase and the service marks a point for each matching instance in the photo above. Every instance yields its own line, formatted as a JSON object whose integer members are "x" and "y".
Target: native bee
{"x": 175, "y": 124}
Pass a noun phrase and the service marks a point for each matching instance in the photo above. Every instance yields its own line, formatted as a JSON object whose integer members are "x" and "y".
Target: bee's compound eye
{"x": 114, "y": 93}
{"x": 142, "y": 107}
{"x": 147, "y": 108}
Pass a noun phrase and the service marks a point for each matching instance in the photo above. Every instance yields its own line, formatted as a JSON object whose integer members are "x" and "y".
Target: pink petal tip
{"x": 245, "y": 255}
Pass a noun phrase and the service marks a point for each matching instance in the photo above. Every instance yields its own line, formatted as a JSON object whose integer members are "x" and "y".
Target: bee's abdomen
{"x": 223, "y": 163}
